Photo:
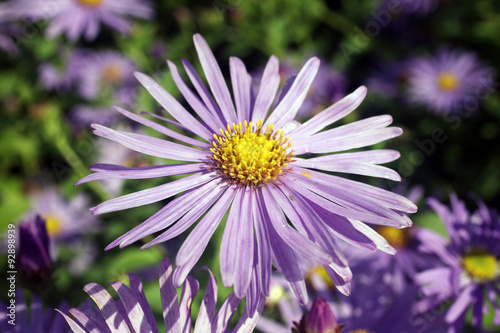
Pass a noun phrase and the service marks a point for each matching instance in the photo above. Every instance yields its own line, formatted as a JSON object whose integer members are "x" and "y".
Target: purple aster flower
{"x": 445, "y": 81}
{"x": 64, "y": 219}
{"x": 132, "y": 310}
{"x": 34, "y": 258}
{"x": 256, "y": 166}
{"x": 470, "y": 268}
{"x": 104, "y": 73}
{"x": 30, "y": 317}
{"x": 77, "y": 18}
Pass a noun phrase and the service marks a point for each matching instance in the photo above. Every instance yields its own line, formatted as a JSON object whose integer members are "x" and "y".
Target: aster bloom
{"x": 445, "y": 81}
{"x": 34, "y": 250}
{"x": 470, "y": 268}
{"x": 30, "y": 317}
{"x": 132, "y": 312}
{"x": 64, "y": 219}
{"x": 256, "y": 166}
{"x": 77, "y": 18}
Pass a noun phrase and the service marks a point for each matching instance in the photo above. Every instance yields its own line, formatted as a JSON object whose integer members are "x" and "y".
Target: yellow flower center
{"x": 245, "y": 155}
{"x": 112, "y": 73}
{"x": 276, "y": 292}
{"x": 447, "y": 81}
{"x": 53, "y": 225}
{"x": 398, "y": 238}
{"x": 90, "y": 3}
{"x": 321, "y": 272}
{"x": 481, "y": 265}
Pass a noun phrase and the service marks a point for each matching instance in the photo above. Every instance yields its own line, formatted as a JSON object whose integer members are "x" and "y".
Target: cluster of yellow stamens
{"x": 245, "y": 155}
{"x": 448, "y": 81}
{"x": 481, "y": 265}
{"x": 90, "y": 3}
{"x": 398, "y": 238}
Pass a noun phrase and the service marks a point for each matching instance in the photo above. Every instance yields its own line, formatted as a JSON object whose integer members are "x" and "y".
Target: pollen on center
{"x": 448, "y": 81}
{"x": 246, "y": 155}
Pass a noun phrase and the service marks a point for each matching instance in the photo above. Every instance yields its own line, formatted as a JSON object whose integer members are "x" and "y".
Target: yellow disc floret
{"x": 245, "y": 155}
{"x": 481, "y": 265}
{"x": 320, "y": 271}
{"x": 398, "y": 238}
{"x": 448, "y": 82}
{"x": 53, "y": 225}
{"x": 90, "y": 3}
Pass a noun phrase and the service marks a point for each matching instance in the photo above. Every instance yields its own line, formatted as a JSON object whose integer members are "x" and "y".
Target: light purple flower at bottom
{"x": 470, "y": 271}
{"x": 132, "y": 311}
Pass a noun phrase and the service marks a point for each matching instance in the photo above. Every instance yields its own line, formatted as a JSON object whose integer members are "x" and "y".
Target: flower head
{"x": 78, "y": 18}
{"x": 132, "y": 310}
{"x": 257, "y": 166}
{"x": 470, "y": 265}
{"x": 445, "y": 81}
{"x": 64, "y": 219}
{"x": 320, "y": 319}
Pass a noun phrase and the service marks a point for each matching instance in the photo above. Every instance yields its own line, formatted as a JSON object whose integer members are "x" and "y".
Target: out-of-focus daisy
{"x": 132, "y": 311}
{"x": 64, "y": 219}
{"x": 104, "y": 73}
{"x": 77, "y": 18}
{"x": 446, "y": 80}
{"x": 470, "y": 268}
{"x": 30, "y": 317}
{"x": 34, "y": 259}
{"x": 256, "y": 165}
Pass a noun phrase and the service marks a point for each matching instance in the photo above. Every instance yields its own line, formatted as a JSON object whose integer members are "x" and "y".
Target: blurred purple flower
{"x": 64, "y": 219}
{"x": 445, "y": 81}
{"x": 9, "y": 33}
{"x": 132, "y": 310}
{"x": 35, "y": 262}
{"x": 104, "y": 73}
{"x": 470, "y": 266}
{"x": 37, "y": 319}
{"x": 77, "y": 18}
{"x": 83, "y": 115}
{"x": 261, "y": 180}
{"x": 419, "y": 7}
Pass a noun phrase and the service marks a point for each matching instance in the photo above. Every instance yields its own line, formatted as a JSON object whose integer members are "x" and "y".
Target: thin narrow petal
{"x": 107, "y": 306}
{"x": 209, "y": 117}
{"x": 72, "y": 324}
{"x": 189, "y": 292}
{"x": 225, "y": 313}
{"x": 151, "y": 195}
{"x": 138, "y": 292}
{"x": 290, "y": 104}
{"x": 169, "y": 301}
{"x": 267, "y": 90}
{"x": 460, "y": 305}
{"x": 172, "y": 106}
{"x": 151, "y": 146}
{"x": 167, "y": 215}
{"x": 161, "y": 129}
{"x": 335, "y": 112}
{"x": 215, "y": 79}
{"x": 111, "y": 171}
{"x": 241, "y": 82}
{"x": 208, "y": 304}
{"x": 194, "y": 245}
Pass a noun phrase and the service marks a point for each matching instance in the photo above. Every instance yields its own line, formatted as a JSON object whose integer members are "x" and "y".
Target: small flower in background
{"x": 470, "y": 268}
{"x": 445, "y": 81}
{"x": 10, "y": 33}
{"x": 64, "y": 219}
{"x": 132, "y": 311}
{"x": 319, "y": 319}
{"x": 77, "y": 18}
{"x": 31, "y": 317}
{"x": 35, "y": 262}
{"x": 104, "y": 73}
{"x": 82, "y": 115}
{"x": 253, "y": 170}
